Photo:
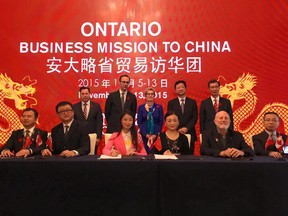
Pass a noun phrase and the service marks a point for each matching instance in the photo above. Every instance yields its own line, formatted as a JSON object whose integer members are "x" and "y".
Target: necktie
{"x": 122, "y": 100}
{"x": 66, "y": 130}
{"x": 273, "y": 136}
{"x": 182, "y": 105}
{"x": 216, "y": 105}
{"x": 27, "y": 139}
{"x": 85, "y": 111}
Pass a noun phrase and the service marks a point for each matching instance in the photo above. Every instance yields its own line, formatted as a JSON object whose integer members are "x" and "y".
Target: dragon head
{"x": 237, "y": 90}
{"x": 16, "y": 91}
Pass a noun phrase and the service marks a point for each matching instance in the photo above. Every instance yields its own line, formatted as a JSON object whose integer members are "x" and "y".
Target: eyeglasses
{"x": 271, "y": 120}
{"x": 124, "y": 82}
{"x": 63, "y": 111}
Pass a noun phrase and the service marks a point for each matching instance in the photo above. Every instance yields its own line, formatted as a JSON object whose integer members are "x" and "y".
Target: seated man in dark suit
{"x": 27, "y": 141}
{"x": 69, "y": 138}
{"x": 223, "y": 142}
{"x": 270, "y": 142}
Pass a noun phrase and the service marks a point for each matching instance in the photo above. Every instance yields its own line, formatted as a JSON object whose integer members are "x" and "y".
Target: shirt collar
{"x": 31, "y": 130}
{"x": 217, "y": 98}
{"x": 181, "y": 99}
{"x": 271, "y": 133}
{"x": 69, "y": 124}
{"x": 88, "y": 103}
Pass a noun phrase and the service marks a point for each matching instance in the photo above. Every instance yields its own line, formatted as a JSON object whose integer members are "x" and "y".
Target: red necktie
{"x": 85, "y": 111}
{"x": 216, "y": 105}
{"x": 28, "y": 140}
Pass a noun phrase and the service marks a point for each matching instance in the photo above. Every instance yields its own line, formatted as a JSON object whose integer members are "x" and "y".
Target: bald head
{"x": 222, "y": 120}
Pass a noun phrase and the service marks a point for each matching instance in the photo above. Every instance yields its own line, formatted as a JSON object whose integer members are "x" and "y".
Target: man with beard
{"x": 220, "y": 141}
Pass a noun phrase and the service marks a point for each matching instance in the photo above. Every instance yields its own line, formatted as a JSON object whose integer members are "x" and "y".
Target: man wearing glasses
{"x": 69, "y": 138}
{"x": 270, "y": 142}
{"x": 117, "y": 102}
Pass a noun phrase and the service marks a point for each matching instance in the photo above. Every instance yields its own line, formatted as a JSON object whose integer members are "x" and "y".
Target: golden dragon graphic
{"x": 243, "y": 89}
{"x": 9, "y": 120}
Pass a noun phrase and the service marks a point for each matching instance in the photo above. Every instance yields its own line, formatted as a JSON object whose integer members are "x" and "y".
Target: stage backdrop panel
{"x": 51, "y": 48}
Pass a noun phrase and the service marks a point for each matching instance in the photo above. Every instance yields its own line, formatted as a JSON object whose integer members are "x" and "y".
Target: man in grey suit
{"x": 210, "y": 106}
{"x": 117, "y": 102}
{"x": 186, "y": 109}
{"x": 90, "y": 113}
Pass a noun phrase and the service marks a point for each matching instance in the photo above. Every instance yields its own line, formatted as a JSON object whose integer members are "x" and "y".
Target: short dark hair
{"x": 123, "y": 75}
{"x": 213, "y": 81}
{"x": 63, "y": 103}
{"x": 178, "y": 82}
{"x": 31, "y": 109}
{"x": 169, "y": 113}
{"x": 84, "y": 87}
{"x": 271, "y": 113}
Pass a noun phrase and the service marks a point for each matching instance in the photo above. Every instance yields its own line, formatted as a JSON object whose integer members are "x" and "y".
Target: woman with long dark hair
{"x": 126, "y": 141}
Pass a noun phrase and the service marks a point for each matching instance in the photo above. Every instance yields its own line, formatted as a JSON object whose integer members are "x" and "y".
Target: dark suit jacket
{"x": 113, "y": 109}
{"x": 17, "y": 140}
{"x": 188, "y": 119}
{"x": 182, "y": 144}
{"x": 77, "y": 138}
{"x": 94, "y": 120}
{"x": 207, "y": 113}
{"x": 259, "y": 141}
{"x": 212, "y": 143}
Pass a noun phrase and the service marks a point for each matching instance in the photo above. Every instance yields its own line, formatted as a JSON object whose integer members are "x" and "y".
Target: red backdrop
{"x": 243, "y": 43}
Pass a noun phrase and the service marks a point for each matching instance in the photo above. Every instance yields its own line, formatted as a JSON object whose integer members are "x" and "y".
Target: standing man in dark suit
{"x": 186, "y": 109}
{"x": 27, "y": 141}
{"x": 270, "y": 142}
{"x": 69, "y": 138}
{"x": 117, "y": 102}
{"x": 221, "y": 141}
{"x": 90, "y": 113}
{"x": 212, "y": 105}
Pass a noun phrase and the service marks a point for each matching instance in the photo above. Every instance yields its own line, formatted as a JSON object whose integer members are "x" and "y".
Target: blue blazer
{"x": 157, "y": 117}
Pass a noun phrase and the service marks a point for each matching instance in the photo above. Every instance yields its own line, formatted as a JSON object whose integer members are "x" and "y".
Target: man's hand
{"x": 68, "y": 153}
{"x": 6, "y": 153}
{"x": 46, "y": 153}
{"x": 231, "y": 152}
{"x": 183, "y": 130}
{"x": 23, "y": 153}
{"x": 275, "y": 154}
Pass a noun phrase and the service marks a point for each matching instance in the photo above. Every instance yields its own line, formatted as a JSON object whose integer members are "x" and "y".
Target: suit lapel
{"x": 118, "y": 100}
{"x": 217, "y": 139}
{"x": 211, "y": 106}
{"x": 71, "y": 130}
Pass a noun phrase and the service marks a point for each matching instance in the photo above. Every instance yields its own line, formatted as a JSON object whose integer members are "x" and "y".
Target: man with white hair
{"x": 220, "y": 141}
